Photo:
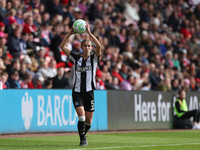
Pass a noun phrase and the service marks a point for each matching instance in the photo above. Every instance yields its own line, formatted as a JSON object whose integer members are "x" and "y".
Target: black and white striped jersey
{"x": 84, "y": 72}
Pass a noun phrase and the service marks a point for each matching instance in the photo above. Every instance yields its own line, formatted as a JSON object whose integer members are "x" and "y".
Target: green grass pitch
{"x": 163, "y": 140}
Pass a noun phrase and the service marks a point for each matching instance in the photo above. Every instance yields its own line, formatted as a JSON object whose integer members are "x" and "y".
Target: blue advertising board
{"x": 46, "y": 111}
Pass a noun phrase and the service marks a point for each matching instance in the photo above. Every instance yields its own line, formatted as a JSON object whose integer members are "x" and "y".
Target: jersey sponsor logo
{"x": 92, "y": 105}
{"x": 83, "y": 69}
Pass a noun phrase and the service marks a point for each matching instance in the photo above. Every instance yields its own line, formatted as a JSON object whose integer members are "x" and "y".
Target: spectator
{"x": 56, "y": 21}
{"x": 144, "y": 80}
{"x": 54, "y": 7}
{"x": 19, "y": 17}
{"x": 113, "y": 39}
{"x": 55, "y": 41}
{"x": 3, "y": 10}
{"x": 7, "y": 60}
{"x": 122, "y": 35}
{"x": 83, "y": 6}
{"x": 4, "y": 81}
{"x": 99, "y": 83}
{"x": 168, "y": 60}
{"x": 136, "y": 71}
{"x": 35, "y": 64}
{"x": 37, "y": 22}
{"x": 43, "y": 69}
{"x": 52, "y": 68}
{"x": 161, "y": 73}
{"x": 113, "y": 59}
{"x": 186, "y": 84}
{"x": 13, "y": 43}
{"x": 23, "y": 43}
{"x": 60, "y": 81}
{"x": 120, "y": 60}
{"x": 8, "y": 6}
{"x": 115, "y": 72}
{"x": 32, "y": 46}
{"x": 48, "y": 83}
{"x": 146, "y": 86}
{"x": 174, "y": 21}
{"x": 114, "y": 84}
{"x": 27, "y": 64}
{"x": 197, "y": 83}
{"x": 2, "y": 29}
{"x": 45, "y": 34}
{"x": 184, "y": 61}
{"x": 176, "y": 61}
{"x": 10, "y": 15}
{"x": 76, "y": 47}
{"x": 40, "y": 54}
{"x": 144, "y": 15}
{"x": 153, "y": 77}
{"x": 29, "y": 26}
{"x": 131, "y": 11}
{"x": 38, "y": 81}
{"x": 22, "y": 70}
{"x": 127, "y": 84}
{"x": 14, "y": 79}
{"x": 124, "y": 70}
{"x": 95, "y": 11}
{"x": 3, "y": 45}
{"x": 25, "y": 82}
{"x": 15, "y": 4}
{"x": 2, "y": 66}
{"x": 165, "y": 85}
{"x": 193, "y": 86}
{"x": 45, "y": 16}
{"x": 15, "y": 65}
{"x": 175, "y": 85}
{"x": 12, "y": 25}
{"x": 77, "y": 14}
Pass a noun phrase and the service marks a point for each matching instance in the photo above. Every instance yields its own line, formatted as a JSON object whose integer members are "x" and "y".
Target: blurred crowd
{"x": 146, "y": 44}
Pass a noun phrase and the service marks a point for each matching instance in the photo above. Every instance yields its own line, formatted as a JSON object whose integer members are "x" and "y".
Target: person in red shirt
{"x": 25, "y": 83}
{"x": 115, "y": 72}
{"x": 2, "y": 29}
{"x": 99, "y": 82}
{"x": 39, "y": 80}
{"x": 29, "y": 26}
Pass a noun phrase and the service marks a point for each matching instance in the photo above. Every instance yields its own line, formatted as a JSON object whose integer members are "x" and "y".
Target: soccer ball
{"x": 79, "y": 26}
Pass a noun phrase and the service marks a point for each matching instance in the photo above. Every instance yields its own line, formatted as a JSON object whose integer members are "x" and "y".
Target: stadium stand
{"x": 155, "y": 42}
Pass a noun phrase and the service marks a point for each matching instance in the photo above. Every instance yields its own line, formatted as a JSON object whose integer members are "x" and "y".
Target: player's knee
{"x": 81, "y": 118}
{"x": 87, "y": 124}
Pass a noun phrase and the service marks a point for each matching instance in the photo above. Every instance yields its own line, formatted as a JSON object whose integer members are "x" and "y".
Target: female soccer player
{"x": 84, "y": 80}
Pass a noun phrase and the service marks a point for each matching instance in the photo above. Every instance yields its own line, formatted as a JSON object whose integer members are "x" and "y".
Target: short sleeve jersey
{"x": 84, "y": 72}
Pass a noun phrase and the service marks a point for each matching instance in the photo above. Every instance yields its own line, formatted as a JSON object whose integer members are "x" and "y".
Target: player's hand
{"x": 88, "y": 28}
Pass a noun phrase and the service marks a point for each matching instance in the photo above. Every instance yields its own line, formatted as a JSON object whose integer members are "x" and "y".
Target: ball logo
{"x": 27, "y": 110}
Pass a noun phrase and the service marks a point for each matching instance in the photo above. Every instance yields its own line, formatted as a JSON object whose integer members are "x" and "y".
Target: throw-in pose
{"x": 84, "y": 80}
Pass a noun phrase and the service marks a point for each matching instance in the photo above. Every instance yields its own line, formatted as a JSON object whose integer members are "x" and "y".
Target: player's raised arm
{"x": 65, "y": 41}
{"x": 97, "y": 43}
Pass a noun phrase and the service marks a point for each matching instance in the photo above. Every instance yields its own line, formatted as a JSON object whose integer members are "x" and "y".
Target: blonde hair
{"x": 86, "y": 40}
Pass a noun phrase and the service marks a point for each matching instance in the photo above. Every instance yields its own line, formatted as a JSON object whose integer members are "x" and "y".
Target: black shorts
{"x": 85, "y": 99}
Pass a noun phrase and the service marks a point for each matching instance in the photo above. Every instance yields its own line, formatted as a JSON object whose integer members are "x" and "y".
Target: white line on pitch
{"x": 135, "y": 146}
